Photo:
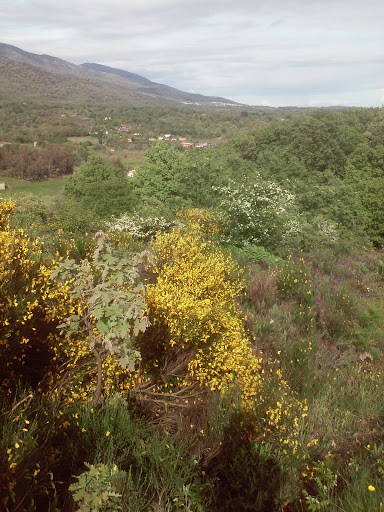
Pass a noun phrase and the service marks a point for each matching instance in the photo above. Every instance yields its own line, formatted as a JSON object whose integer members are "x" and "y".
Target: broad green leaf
{"x": 102, "y": 326}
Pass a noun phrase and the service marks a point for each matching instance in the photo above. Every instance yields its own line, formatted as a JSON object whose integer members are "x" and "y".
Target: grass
{"x": 80, "y": 140}
{"x": 130, "y": 158}
{"x": 48, "y": 187}
{"x": 318, "y": 345}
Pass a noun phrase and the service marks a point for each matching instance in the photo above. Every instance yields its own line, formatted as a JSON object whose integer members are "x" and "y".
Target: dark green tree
{"x": 101, "y": 188}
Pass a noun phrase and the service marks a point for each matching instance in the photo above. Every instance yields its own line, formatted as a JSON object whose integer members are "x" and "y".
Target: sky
{"x": 269, "y": 52}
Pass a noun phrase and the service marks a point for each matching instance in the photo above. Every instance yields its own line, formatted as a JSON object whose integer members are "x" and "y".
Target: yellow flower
{"x": 17, "y": 445}
{"x": 371, "y": 488}
{"x": 107, "y": 433}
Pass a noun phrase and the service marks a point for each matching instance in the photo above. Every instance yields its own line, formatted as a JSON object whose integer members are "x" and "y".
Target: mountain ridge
{"x": 121, "y": 81}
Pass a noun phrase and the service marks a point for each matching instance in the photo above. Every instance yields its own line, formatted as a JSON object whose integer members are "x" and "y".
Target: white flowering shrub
{"x": 256, "y": 213}
{"x": 327, "y": 230}
{"x": 140, "y": 228}
{"x": 307, "y": 231}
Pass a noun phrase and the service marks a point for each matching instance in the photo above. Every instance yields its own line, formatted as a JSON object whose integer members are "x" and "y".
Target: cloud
{"x": 289, "y": 51}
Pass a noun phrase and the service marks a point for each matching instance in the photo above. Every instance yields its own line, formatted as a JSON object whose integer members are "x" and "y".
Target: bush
{"x": 255, "y": 213}
{"x": 97, "y": 489}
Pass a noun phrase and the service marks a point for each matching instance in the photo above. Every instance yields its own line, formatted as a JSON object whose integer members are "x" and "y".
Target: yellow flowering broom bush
{"x": 31, "y": 304}
{"x": 194, "y": 296}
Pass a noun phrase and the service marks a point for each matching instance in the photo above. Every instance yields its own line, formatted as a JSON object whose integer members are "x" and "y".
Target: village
{"x": 168, "y": 137}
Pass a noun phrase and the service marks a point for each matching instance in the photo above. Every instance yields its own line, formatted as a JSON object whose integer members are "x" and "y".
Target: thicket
{"x": 323, "y": 158}
{"x": 217, "y": 346}
{"x": 36, "y": 164}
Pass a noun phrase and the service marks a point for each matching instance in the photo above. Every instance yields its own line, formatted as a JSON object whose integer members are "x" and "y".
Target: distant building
{"x": 2, "y": 185}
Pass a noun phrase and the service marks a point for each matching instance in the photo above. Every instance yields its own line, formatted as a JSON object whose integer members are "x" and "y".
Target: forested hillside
{"x": 205, "y": 334}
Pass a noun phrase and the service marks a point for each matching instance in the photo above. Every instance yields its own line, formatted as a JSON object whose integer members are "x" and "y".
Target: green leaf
{"x": 78, "y": 495}
{"x": 119, "y": 278}
{"x": 98, "y": 312}
{"x": 102, "y": 326}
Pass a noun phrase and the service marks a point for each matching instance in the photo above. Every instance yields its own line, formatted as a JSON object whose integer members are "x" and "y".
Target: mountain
{"x": 88, "y": 82}
{"x": 22, "y": 82}
{"x": 142, "y": 84}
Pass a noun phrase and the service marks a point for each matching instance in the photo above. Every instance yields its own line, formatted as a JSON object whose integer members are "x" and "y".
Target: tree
{"x": 157, "y": 182}
{"x": 111, "y": 305}
{"x": 100, "y": 188}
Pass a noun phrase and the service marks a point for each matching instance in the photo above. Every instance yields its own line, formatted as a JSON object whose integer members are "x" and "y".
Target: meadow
{"x": 45, "y": 188}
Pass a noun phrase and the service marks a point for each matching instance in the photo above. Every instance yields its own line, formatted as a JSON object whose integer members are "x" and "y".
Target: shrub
{"x": 138, "y": 227}
{"x": 192, "y": 303}
{"x": 255, "y": 213}
{"x": 97, "y": 489}
{"x": 194, "y": 297}
{"x": 31, "y": 305}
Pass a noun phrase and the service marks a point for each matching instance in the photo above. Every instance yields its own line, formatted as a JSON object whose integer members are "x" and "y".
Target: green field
{"x": 48, "y": 187}
{"x": 80, "y": 140}
{"x": 131, "y": 158}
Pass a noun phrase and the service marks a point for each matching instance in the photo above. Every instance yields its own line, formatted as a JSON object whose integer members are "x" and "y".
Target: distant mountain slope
{"x": 145, "y": 85}
{"x": 117, "y": 84}
{"x": 132, "y": 77}
{"x": 22, "y": 82}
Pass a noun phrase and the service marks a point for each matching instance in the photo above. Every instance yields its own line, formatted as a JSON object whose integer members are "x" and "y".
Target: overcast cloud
{"x": 280, "y": 52}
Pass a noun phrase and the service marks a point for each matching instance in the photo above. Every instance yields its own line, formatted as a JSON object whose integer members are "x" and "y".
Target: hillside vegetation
{"x": 22, "y": 81}
{"x": 205, "y": 335}
{"x": 43, "y": 77}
